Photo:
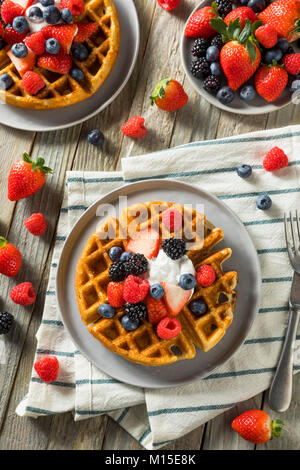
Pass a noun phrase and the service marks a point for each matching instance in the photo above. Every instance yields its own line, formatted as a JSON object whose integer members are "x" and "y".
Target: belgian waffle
{"x": 143, "y": 346}
{"x": 62, "y": 90}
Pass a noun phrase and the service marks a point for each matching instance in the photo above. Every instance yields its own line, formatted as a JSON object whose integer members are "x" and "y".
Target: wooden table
{"x": 69, "y": 150}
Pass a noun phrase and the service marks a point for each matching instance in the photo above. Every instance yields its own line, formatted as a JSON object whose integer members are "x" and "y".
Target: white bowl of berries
{"x": 242, "y": 55}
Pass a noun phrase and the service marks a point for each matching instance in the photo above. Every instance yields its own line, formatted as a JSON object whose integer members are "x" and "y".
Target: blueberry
{"x": 19, "y": 50}
{"x": 125, "y": 255}
{"x": 264, "y": 202}
{"x": 115, "y": 253}
{"x": 212, "y": 54}
{"x": 157, "y": 291}
{"x": 66, "y": 15}
{"x": 248, "y": 93}
{"x": 273, "y": 54}
{"x": 225, "y": 95}
{"x": 106, "y": 311}
{"x": 47, "y": 3}
{"x": 51, "y": 14}
{"x": 96, "y": 138}
{"x": 52, "y": 46}
{"x": 283, "y": 44}
{"x": 198, "y": 307}
{"x": 129, "y": 324}
{"x": 256, "y": 5}
{"x": 35, "y": 14}
{"x": 187, "y": 281}
{"x": 2, "y": 44}
{"x": 80, "y": 52}
{"x": 6, "y": 81}
{"x": 20, "y": 24}
{"x": 244, "y": 171}
{"x": 215, "y": 68}
{"x": 77, "y": 74}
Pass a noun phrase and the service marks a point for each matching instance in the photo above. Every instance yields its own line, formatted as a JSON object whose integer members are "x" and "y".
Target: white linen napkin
{"x": 156, "y": 417}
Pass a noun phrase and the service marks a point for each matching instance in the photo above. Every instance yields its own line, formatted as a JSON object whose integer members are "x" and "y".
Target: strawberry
{"x": 256, "y": 426}
{"x": 145, "y": 242}
{"x": 157, "y": 309}
{"x": 199, "y": 25}
{"x": 84, "y": 31}
{"x": 239, "y": 57}
{"x": 76, "y": 6}
{"x": 12, "y": 37}
{"x": 172, "y": 219}
{"x": 135, "y": 289}
{"x": 64, "y": 33}
{"x": 59, "y": 63}
{"x": 115, "y": 294}
{"x": 32, "y": 82}
{"x": 270, "y": 81}
{"x": 134, "y": 127}
{"x": 266, "y": 35}
{"x": 283, "y": 15}
{"x": 9, "y": 10}
{"x": 1, "y": 29}
{"x": 36, "y": 42}
{"x": 25, "y": 64}
{"x": 23, "y": 294}
{"x": 275, "y": 159}
{"x": 241, "y": 13}
{"x": 175, "y": 297}
{"x": 26, "y": 177}
{"x": 168, "y": 328}
{"x": 10, "y": 258}
{"x": 36, "y": 224}
{"x": 168, "y": 5}
{"x": 291, "y": 63}
{"x": 169, "y": 95}
{"x": 47, "y": 368}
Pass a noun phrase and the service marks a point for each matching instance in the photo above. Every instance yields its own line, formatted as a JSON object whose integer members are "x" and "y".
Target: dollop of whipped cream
{"x": 164, "y": 269}
{"x": 37, "y": 24}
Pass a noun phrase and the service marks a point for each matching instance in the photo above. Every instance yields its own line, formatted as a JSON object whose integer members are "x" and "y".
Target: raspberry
{"x": 84, "y": 31}
{"x": 134, "y": 127}
{"x": 47, "y": 368}
{"x": 36, "y": 42}
{"x": 157, "y": 309}
{"x": 76, "y": 6}
{"x": 168, "y": 328}
{"x": 206, "y": 275}
{"x": 291, "y": 63}
{"x": 135, "y": 289}
{"x": 23, "y": 294}
{"x": 172, "y": 219}
{"x": 32, "y": 82}
{"x": 275, "y": 159}
{"x": 36, "y": 224}
{"x": 9, "y": 10}
{"x": 115, "y": 294}
{"x": 168, "y": 4}
{"x": 266, "y": 35}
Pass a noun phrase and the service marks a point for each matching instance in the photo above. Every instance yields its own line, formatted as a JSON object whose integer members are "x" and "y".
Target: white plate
{"x": 29, "y": 120}
{"x": 244, "y": 259}
{"x": 238, "y": 106}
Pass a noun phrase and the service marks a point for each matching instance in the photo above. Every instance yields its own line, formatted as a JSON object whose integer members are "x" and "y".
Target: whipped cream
{"x": 38, "y": 24}
{"x": 164, "y": 269}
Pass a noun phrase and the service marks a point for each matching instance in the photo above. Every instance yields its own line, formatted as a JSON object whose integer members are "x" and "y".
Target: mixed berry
{"x": 243, "y": 48}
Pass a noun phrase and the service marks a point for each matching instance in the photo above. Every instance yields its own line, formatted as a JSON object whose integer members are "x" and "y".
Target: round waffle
{"x": 143, "y": 346}
{"x": 62, "y": 90}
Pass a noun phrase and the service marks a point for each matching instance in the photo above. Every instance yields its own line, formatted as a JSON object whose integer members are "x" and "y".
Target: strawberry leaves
{"x": 38, "y": 165}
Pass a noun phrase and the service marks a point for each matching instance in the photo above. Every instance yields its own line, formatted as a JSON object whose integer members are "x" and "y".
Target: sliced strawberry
{"x": 36, "y": 42}
{"x": 12, "y": 37}
{"x": 9, "y": 10}
{"x": 145, "y": 242}
{"x": 25, "y": 64}
{"x": 85, "y": 30}
{"x": 157, "y": 309}
{"x": 64, "y": 33}
{"x": 175, "y": 297}
{"x": 59, "y": 63}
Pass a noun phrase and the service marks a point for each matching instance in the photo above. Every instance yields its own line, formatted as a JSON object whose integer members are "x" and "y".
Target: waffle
{"x": 143, "y": 346}
{"x": 62, "y": 90}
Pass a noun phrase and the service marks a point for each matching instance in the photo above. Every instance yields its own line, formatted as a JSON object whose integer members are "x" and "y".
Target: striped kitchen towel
{"x": 156, "y": 417}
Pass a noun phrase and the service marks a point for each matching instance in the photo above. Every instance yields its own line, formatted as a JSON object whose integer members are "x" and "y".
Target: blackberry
{"x": 211, "y": 84}
{"x": 200, "y": 68}
{"x": 117, "y": 271}
{"x": 199, "y": 47}
{"x": 6, "y": 321}
{"x": 136, "y": 264}
{"x": 224, "y": 7}
{"x": 217, "y": 41}
{"x": 174, "y": 248}
{"x": 136, "y": 311}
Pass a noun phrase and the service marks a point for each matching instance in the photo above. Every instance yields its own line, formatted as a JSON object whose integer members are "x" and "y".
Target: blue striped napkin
{"x": 156, "y": 417}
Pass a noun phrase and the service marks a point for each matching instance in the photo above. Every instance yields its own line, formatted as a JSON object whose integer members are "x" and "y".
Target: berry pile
{"x": 243, "y": 49}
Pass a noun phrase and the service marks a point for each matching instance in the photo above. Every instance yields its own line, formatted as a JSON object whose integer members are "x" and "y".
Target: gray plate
{"x": 244, "y": 260}
{"x": 52, "y": 119}
{"x": 238, "y": 106}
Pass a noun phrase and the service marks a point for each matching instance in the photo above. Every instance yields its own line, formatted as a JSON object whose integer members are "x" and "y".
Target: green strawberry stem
{"x": 3, "y": 242}
{"x": 159, "y": 91}
{"x": 38, "y": 165}
{"x": 297, "y": 29}
{"x": 276, "y": 427}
